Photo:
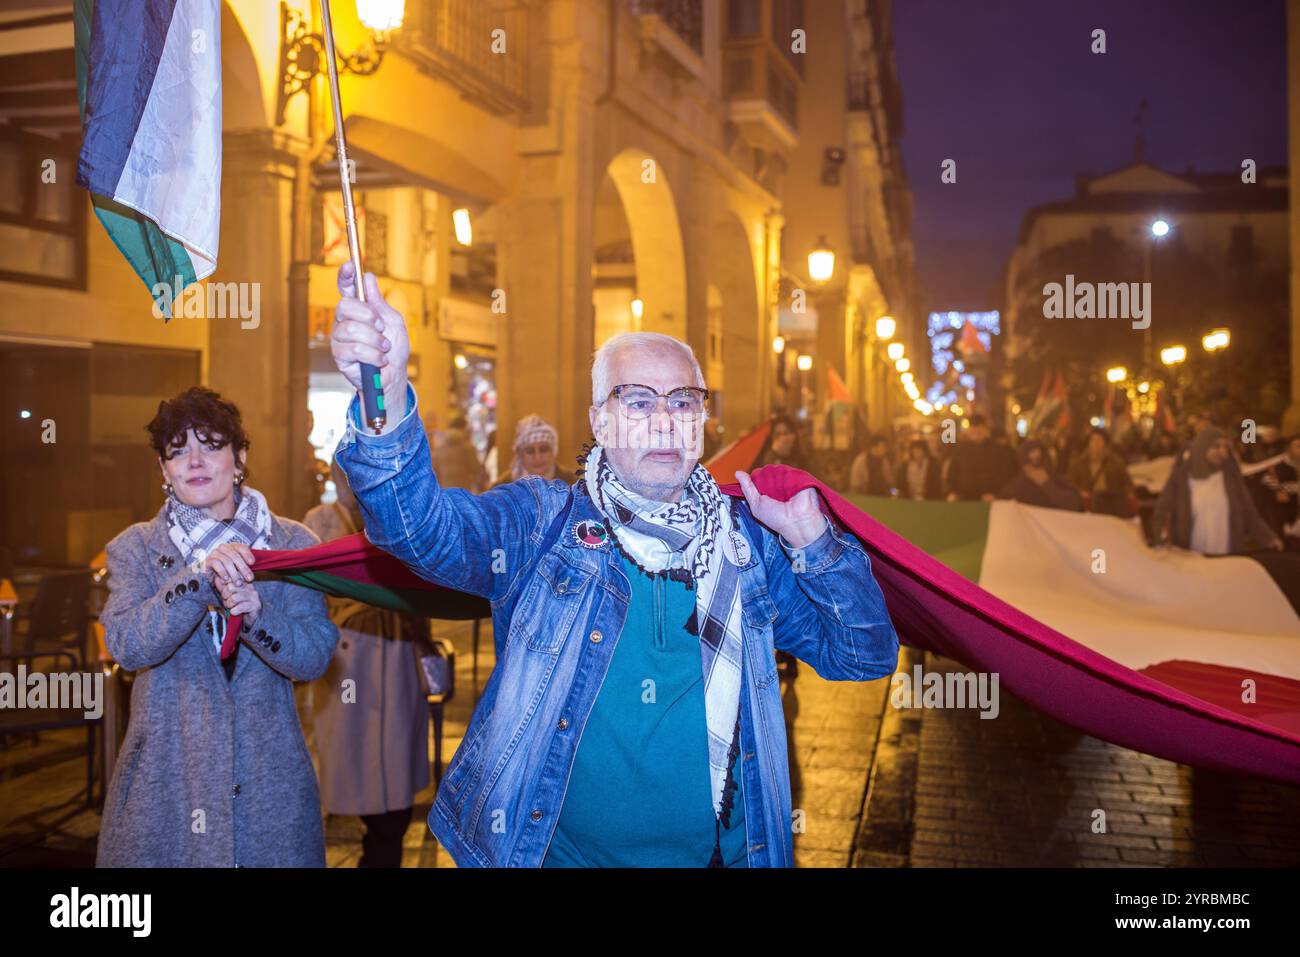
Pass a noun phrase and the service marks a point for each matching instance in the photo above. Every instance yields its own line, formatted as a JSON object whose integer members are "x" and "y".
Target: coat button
{"x": 168, "y": 597}
{"x": 563, "y": 724}
{"x": 536, "y": 815}
{"x": 180, "y": 590}
{"x": 275, "y": 646}
{"x": 596, "y": 637}
{"x": 562, "y": 587}
{"x": 166, "y": 561}
{"x": 261, "y": 633}
{"x": 194, "y": 584}
{"x": 235, "y": 790}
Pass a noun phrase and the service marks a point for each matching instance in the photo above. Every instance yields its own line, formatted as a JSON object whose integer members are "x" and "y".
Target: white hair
{"x": 603, "y": 363}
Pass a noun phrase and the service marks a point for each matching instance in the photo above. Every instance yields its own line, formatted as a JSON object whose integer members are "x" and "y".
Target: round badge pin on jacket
{"x": 590, "y": 534}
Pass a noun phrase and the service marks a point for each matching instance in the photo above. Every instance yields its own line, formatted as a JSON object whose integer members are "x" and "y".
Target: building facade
{"x": 531, "y": 178}
{"x": 1212, "y": 249}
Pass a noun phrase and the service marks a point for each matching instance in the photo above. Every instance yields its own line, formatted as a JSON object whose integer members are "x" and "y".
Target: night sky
{"x": 1011, "y": 91}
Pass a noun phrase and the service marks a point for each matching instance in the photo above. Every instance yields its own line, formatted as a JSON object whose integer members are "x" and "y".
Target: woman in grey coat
{"x": 214, "y": 771}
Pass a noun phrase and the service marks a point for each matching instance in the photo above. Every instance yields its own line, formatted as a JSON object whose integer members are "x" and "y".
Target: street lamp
{"x": 1158, "y": 229}
{"x": 302, "y": 52}
{"x": 804, "y": 362}
{"x": 381, "y": 16}
{"x": 821, "y": 261}
{"x": 638, "y": 310}
{"x": 1173, "y": 355}
{"x": 778, "y": 343}
{"x": 885, "y": 328}
{"x": 1116, "y": 374}
{"x": 902, "y": 365}
{"x": 1216, "y": 340}
{"x": 895, "y": 351}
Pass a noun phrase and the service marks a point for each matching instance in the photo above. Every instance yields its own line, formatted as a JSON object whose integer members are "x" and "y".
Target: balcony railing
{"x": 684, "y": 17}
{"x": 752, "y": 70}
{"x": 457, "y": 40}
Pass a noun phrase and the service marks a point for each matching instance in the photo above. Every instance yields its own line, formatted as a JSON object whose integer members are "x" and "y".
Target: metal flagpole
{"x": 372, "y": 396}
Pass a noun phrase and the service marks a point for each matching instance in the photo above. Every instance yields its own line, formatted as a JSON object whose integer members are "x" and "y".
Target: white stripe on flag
{"x": 173, "y": 173}
{"x": 1151, "y": 605}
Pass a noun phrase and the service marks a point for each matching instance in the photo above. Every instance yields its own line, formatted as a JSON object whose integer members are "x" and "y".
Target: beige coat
{"x": 371, "y": 723}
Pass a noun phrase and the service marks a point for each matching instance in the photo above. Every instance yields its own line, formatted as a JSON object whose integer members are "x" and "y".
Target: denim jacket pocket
{"x": 759, "y": 612}
{"x": 547, "y": 612}
{"x": 758, "y": 609}
{"x": 463, "y": 764}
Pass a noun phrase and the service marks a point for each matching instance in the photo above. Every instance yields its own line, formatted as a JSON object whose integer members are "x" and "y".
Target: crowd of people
{"x": 1207, "y": 504}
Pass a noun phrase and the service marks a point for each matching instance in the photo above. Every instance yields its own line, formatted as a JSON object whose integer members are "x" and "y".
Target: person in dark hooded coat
{"x": 1205, "y": 506}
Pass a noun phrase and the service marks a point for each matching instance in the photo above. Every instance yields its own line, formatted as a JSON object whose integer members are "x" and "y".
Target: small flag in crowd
{"x": 149, "y": 85}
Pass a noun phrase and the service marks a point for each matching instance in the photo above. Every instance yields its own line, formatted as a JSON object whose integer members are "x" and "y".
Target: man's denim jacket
{"x": 556, "y": 618}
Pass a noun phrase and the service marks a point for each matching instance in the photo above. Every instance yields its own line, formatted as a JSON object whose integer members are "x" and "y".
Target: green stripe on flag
{"x": 434, "y": 603}
{"x": 952, "y": 532}
{"x": 156, "y": 257}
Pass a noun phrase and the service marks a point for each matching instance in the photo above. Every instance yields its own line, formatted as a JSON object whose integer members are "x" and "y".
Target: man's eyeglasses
{"x": 639, "y": 401}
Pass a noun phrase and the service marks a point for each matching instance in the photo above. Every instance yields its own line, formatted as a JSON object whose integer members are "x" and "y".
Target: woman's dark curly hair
{"x": 207, "y": 413}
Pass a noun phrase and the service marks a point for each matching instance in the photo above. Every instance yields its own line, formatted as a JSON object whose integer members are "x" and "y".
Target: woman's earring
{"x": 239, "y": 478}
{"x": 167, "y": 487}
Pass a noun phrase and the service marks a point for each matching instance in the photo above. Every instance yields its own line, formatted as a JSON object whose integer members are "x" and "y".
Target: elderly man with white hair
{"x": 634, "y": 715}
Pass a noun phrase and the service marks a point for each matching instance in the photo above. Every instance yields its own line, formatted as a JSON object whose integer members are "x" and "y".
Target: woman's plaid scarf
{"x": 195, "y": 534}
{"x": 686, "y": 541}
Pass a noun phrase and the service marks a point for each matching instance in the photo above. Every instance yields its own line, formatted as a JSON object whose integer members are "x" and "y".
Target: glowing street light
{"x": 638, "y": 310}
{"x": 381, "y": 16}
{"x": 1144, "y": 387}
{"x": 804, "y": 363}
{"x": 1116, "y": 374}
{"x": 1159, "y": 229}
{"x": 907, "y": 377}
{"x": 821, "y": 261}
{"x": 925, "y": 408}
{"x": 912, "y": 391}
{"x": 1173, "y": 355}
{"x": 1216, "y": 340}
{"x": 460, "y": 361}
{"x": 902, "y": 365}
{"x": 886, "y": 327}
{"x": 895, "y": 351}
{"x": 778, "y": 345}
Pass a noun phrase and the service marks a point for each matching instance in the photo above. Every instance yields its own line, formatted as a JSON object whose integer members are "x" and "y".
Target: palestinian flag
{"x": 1151, "y": 654}
{"x": 1201, "y": 624}
{"x": 149, "y": 87}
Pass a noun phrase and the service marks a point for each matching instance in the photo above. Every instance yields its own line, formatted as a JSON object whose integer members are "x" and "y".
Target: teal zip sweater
{"x": 640, "y": 793}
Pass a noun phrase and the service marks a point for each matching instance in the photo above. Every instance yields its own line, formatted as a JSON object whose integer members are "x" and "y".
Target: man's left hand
{"x": 799, "y": 521}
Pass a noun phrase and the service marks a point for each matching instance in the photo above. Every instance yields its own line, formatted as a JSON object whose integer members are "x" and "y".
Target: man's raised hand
{"x": 372, "y": 332}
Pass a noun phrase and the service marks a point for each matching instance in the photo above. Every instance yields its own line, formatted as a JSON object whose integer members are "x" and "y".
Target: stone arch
{"x": 243, "y": 103}
{"x": 654, "y": 240}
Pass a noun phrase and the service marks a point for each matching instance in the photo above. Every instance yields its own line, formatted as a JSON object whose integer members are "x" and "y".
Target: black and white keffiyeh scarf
{"x": 695, "y": 541}
{"x": 195, "y": 534}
